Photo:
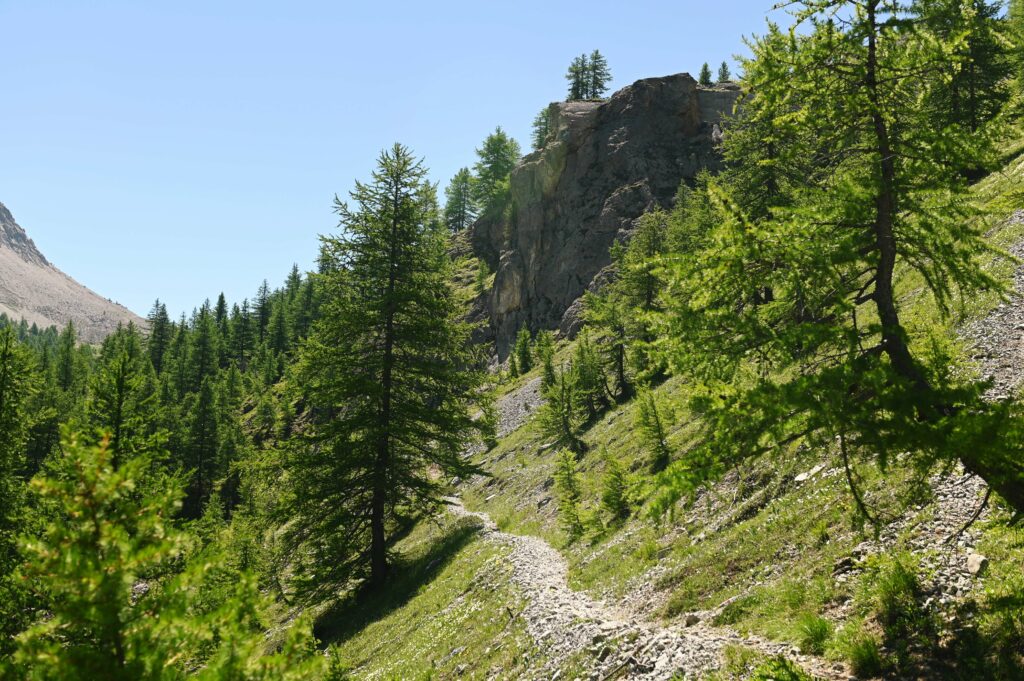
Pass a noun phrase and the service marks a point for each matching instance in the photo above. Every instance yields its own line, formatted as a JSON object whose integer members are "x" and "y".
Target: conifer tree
{"x": 459, "y": 208}
{"x": 705, "y": 75}
{"x": 724, "y": 74}
{"x": 567, "y": 485}
{"x": 578, "y": 76}
{"x": 978, "y": 73}
{"x": 160, "y": 333}
{"x": 204, "y": 353}
{"x": 495, "y": 160}
{"x": 613, "y": 490}
{"x": 652, "y": 421}
{"x": 524, "y": 356}
{"x": 16, "y": 387}
{"x": 242, "y": 335}
{"x": 545, "y": 350}
{"x": 829, "y": 358}
{"x": 598, "y": 75}
{"x": 261, "y": 311}
{"x": 591, "y": 388}
{"x": 202, "y": 448}
{"x": 387, "y": 366}
{"x": 123, "y": 395}
{"x": 110, "y": 535}
{"x": 541, "y": 128}
{"x": 67, "y": 358}
{"x": 561, "y": 417}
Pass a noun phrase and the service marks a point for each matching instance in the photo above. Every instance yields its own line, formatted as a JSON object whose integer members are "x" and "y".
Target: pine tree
{"x": 203, "y": 356}
{"x": 591, "y": 388}
{"x": 261, "y": 310}
{"x": 561, "y": 417}
{"x": 201, "y": 450}
{"x": 545, "y": 351}
{"x": 111, "y": 535}
{"x": 16, "y": 388}
{"x": 521, "y": 349}
{"x": 651, "y": 423}
{"x": 541, "y": 128}
{"x": 613, "y": 490}
{"x": 242, "y": 335}
{"x": 705, "y": 75}
{"x": 578, "y": 76}
{"x": 459, "y": 208}
{"x": 496, "y": 159}
{"x": 67, "y": 359}
{"x": 567, "y": 485}
{"x": 977, "y": 74}
{"x": 598, "y": 75}
{"x": 160, "y": 332}
{"x": 620, "y": 311}
{"x": 387, "y": 366}
{"x": 724, "y": 74}
{"x": 834, "y": 362}
{"x": 123, "y": 395}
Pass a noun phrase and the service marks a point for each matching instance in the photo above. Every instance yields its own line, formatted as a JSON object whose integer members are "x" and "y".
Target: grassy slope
{"x": 758, "y": 538}
{"x": 451, "y": 612}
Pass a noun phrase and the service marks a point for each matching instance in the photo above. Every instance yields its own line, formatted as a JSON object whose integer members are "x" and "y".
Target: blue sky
{"x": 179, "y": 149}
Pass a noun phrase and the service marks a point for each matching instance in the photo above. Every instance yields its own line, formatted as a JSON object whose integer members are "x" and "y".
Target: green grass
{"x": 450, "y": 612}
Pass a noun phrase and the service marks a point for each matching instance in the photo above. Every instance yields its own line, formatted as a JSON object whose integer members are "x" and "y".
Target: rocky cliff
{"x": 604, "y": 165}
{"x": 31, "y": 288}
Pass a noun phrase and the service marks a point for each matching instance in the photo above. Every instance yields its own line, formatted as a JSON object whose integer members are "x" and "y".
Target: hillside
{"x": 764, "y": 563}
{"x": 33, "y": 289}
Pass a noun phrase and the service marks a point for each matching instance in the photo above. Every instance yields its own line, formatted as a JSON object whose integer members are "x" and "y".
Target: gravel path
{"x": 565, "y": 623}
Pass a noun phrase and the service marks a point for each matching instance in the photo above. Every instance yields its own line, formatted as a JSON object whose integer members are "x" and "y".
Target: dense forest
{"x": 166, "y": 495}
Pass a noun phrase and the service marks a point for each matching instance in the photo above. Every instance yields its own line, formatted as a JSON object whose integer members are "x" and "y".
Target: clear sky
{"x": 179, "y": 149}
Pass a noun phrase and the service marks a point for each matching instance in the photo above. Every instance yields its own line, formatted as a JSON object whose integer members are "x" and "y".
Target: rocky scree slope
{"x": 33, "y": 289}
{"x": 603, "y": 166}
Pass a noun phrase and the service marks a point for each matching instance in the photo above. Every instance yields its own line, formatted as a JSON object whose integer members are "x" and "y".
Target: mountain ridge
{"x": 34, "y": 289}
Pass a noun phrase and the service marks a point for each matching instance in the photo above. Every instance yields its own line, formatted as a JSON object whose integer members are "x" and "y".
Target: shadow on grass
{"x": 351, "y": 615}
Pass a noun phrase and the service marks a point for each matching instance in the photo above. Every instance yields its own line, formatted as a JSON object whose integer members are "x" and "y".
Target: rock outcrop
{"x": 31, "y": 288}
{"x": 603, "y": 166}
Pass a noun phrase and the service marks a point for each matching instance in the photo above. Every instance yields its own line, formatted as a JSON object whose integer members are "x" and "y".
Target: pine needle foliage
{"x": 826, "y": 356}
{"x": 562, "y": 417}
{"x": 388, "y": 372}
{"x": 567, "y": 484}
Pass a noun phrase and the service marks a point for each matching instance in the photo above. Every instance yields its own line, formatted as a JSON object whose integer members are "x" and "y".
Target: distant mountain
{"x": 31, "y": 288}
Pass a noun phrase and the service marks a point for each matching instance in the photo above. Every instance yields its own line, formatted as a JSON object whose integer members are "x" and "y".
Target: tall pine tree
{"x": 387, "y": 369}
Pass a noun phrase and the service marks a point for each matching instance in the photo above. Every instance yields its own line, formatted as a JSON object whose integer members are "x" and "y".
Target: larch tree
{"x": 388, "y": 371}
{"x": 113, "y": 532}
{"x": 459, "y": 208}
{"x": 123, "y": 394}
{"x": 160, "y": 333}
{"x": 541, "y": 128}
{"x": 495, "y": 160}
{"x": 578, "y": 76}
{"x": 829, "y": 359}
{"x": 16, "y": 387}
{"x": 724, "y": 75}
{"x": 705, "y": 75}
{"x": 598, "y": 75}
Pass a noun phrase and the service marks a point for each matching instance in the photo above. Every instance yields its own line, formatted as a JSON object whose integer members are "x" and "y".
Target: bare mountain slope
{"x": 31, "y": 288}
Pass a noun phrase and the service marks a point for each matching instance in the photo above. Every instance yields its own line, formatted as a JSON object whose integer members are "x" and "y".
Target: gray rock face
{"x": 603, "y": 166}
{"x": 31, "y": 288}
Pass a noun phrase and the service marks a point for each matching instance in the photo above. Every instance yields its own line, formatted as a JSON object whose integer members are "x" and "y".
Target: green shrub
{"x": 814, "y": 633}
{"x": 861, "y": 650}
